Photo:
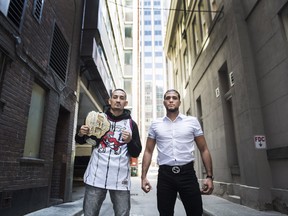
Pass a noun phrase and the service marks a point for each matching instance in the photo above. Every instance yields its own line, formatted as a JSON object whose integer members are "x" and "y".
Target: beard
{"x": 172, "y": 110}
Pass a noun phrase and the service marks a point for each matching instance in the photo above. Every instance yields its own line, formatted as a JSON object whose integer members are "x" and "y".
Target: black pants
{"x": 185, "y": 183}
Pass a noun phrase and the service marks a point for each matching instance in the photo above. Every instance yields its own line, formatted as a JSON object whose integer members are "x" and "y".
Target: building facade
{"x": 39, "y": 55}
{"x": 108, "y": 61}
{"x": 228, "y": 59}
{"x": 152, "y": 21}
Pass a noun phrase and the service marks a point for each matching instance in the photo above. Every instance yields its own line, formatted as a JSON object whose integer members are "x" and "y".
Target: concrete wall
{"x": 248, "y": 39}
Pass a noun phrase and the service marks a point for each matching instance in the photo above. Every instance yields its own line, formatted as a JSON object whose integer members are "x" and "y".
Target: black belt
{"x": 177, "y": 169}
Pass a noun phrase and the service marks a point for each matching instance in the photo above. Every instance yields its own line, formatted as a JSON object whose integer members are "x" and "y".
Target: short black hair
{"x": 119, "y": 89}
{"x": 172, "y": 90}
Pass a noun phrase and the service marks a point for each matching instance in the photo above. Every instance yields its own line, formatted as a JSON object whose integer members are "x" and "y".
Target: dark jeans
{"x": 185, "y": 183}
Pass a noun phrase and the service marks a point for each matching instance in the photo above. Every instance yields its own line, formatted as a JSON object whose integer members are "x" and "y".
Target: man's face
{"x": 172, "y": 101}
{"x": 118, "y": 100}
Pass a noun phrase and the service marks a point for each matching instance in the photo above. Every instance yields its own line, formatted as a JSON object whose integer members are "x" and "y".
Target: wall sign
{"x": 260, "y": 141}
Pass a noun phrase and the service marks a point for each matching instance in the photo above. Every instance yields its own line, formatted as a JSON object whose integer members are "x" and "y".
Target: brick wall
{"x": 29, "y": 63}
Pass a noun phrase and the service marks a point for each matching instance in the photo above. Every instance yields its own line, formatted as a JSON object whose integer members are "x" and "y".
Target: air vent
{"x": 37, "y": 9}
{"x": 231, "y": 79}
{"x": 15, "y": 11}
{"x": 59, "y": 54}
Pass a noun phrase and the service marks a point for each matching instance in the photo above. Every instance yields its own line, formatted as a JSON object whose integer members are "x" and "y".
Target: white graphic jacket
{"x": 109, "y": 165}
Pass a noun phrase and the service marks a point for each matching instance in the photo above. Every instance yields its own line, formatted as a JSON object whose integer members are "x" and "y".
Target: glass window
{"x": 129, "y": 3}
{"x": 158, "y": 43}
{"x": 148, "y": 77}
{"x": 2, "y": 68}
{"x": 159, "y": 77}
{"x": 158, "y": 65}
{"x": 128, "y": 32}
{"x": 157, "y": 22}
{"x": 158, "y": 54}
{"x": 203, "y": 26}
{"x": 148, "y": 43}
{"x": 147, "y": 12}
{"x": 128, "y": 58}
{"x": 128, "y": 90}
{"x": 157, "y": 12}
{"x": 148, "y": 65}
{"x": 147, "y": 22}
{"x": 157, "y": 32}
{"x": 214, "y": 8}
{"x": 147, "y": 3}
{"x": 284, "y": 19}
{"x": 147, "y": 33}
{"x": 157, "y": 3}
{"x": 35, "y": 120}
{"x": 148, "y": 54}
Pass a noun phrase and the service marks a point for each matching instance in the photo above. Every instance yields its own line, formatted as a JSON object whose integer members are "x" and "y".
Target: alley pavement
{"x": 143, "y": 204}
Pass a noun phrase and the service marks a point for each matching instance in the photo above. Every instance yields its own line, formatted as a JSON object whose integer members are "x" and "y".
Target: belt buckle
{"x": 176, "y": 169}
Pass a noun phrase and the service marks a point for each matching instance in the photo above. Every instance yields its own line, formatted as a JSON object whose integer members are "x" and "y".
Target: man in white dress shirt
{"x": 174, "y": 135}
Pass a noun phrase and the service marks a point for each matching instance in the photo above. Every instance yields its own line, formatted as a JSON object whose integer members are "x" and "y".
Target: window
{"x": 147, "y": 33}
{"x": 2, "y": 67}
{"x": 199, "y": 111}
{"x": 156, "y": 3}
{"x": 147, "y": 54}
{"x": 157, "y": 32}
{"x": 159, "y": 77}
{"x": 147, "y": 22}
{"x": 196, "y": 38}
{"x": 128, "y": 3}
{"x": 157, "y": 22}
{"x": 157, "y": 54}
{"x": 147, "y": 12}
{"x": 157, "y": 12}
{"x": 59, "y": 54}
{"x": 35, "y": 120}
{"x": 128, "y": 58}
{"x": 284, "y": 19}
{"x": 203, "y": 21}
{"x": 158, "y": 65}
{"x": 158, "y": 43}
{"x": 147, "y": 3}
{"x": 37, "y": 9}
{"x": 128, "y": 63}
{"x": 3, "y": 63}
{"x": 128, "y": 89}
{"x": 148, "y": 77}
{"x": 148, "y": 43}
{"x": 128, "y": 32}
{"x": 148, "y": 65}
{"x": 213, "y": 8}
{"x": 15, "y": 11}
{"x": 128, "y": 36}
{"x": 129, "y": 10}
{"x": 186, "y": 65}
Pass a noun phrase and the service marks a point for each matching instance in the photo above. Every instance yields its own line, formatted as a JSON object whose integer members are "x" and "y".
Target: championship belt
{"x": 98, "y": 123}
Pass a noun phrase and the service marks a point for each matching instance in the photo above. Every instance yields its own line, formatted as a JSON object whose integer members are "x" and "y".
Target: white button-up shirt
{"x": 175, "y": 139}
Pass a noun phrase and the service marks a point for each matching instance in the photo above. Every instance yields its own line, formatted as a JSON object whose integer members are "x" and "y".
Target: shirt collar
{"x": 180, "y": 116}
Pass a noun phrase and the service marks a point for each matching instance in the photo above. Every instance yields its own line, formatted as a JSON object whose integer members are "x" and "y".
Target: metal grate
{"x": 59, "y": 53}
{"x": 15, "y": 11}
{"x": 37, "y": 10}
